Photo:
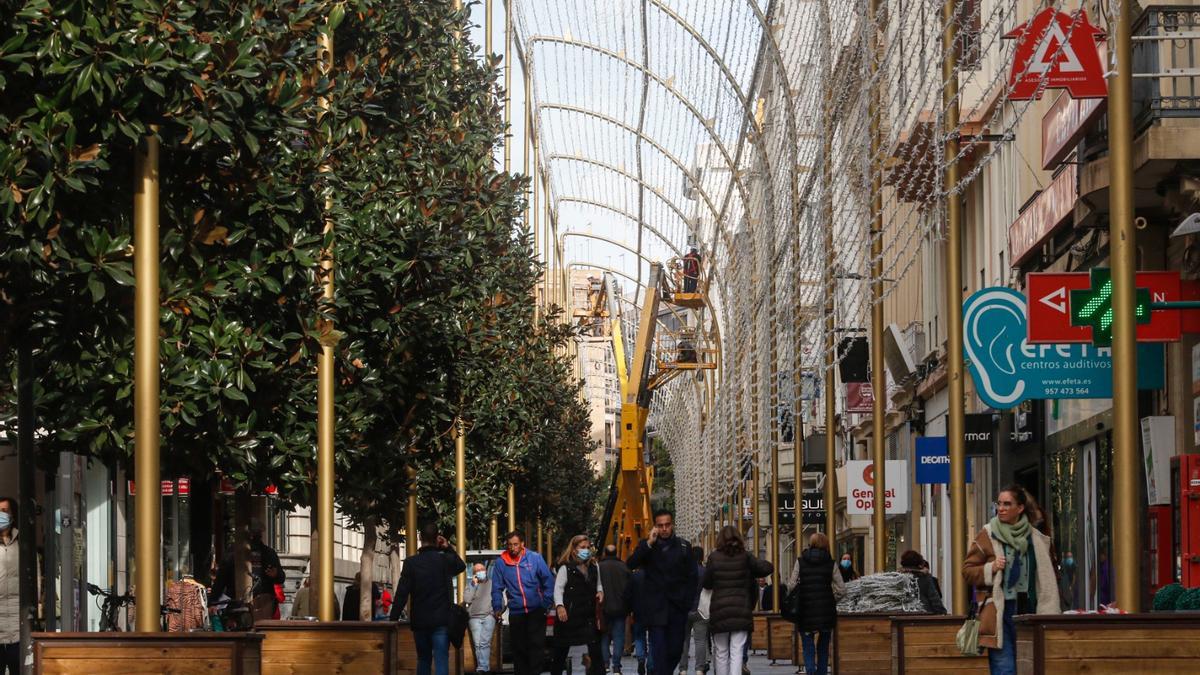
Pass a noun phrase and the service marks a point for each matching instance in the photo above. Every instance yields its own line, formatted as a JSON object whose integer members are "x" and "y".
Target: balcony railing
{"x": 1166, "y": 64}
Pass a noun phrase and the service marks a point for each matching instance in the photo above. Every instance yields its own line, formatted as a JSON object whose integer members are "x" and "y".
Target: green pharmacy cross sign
{"x": 1093, "y": 306}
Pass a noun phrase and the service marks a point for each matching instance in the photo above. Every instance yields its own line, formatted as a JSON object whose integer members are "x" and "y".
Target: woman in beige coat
{"x": 1011, "y": 568}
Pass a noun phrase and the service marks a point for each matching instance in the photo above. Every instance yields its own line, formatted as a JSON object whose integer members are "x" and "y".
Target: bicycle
{"x": 110, "y": 603}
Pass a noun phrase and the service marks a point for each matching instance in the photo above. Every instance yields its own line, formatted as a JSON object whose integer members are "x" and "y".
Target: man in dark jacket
{"x": 614, "y": 577}
{"x": 669, "y": 589}
{"x": 265, "y": 572}
{"x": 428, "y": 576}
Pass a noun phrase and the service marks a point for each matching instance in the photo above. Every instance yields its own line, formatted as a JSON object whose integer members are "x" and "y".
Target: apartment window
{"x": 968, "y": 35}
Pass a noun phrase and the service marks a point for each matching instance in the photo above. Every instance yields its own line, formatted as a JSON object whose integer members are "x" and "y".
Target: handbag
{"x": 790, "y": 610}
{"x": 967, "y": 638}
{"x": 459, "y": 617}
{"x": 702, "y": 607}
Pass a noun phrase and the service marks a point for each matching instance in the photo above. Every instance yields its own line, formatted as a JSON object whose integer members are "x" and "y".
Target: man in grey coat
{"x": 478, "y": 598}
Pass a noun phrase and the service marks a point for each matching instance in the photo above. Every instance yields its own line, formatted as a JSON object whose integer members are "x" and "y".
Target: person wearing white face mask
{"x": 578, "y": 593}
{"x": 478, "y": 599}
{"x": 10, "y": 585}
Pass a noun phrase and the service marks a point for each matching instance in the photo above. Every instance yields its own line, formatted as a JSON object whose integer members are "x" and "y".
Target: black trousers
{"x": 561, "y": 649}
{"x": 10, "y": 658}
{"x": 528, "y": 635}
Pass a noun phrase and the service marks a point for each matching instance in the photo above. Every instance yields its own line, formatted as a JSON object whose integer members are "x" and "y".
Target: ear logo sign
{"x": 1007, "y": 369}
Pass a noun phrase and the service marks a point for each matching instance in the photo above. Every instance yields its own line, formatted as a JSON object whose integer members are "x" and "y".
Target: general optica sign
{"x": 860, "y": 487}
{"x": 1007, "y": 369}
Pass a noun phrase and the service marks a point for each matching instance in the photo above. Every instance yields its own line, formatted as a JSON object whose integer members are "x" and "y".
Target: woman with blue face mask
{"x": 846, "y": 567}
{"x": 10, "y": 610}
{"x": 578, "y": 595}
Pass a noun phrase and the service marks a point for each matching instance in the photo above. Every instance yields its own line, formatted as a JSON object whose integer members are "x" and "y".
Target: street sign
{"x": 860, "y": 487}
{"x": 1050, "y": 307}
{"x": 1007, "y": 369}
{"x": 933, "y": 461}
{"x": 1056, "y": 50}
{"x": 1093, "y": 306}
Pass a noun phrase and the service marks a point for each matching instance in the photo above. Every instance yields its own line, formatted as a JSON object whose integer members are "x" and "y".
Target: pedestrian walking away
{"x": 578, "y": 597}
{"x": 428, "y": 577}
{"x": 816, "y": 587}
{"x": 265, "y": 570}
{"x": 10, "y": 607}
{"x": 913, "y": 563}
{"x": 522, "y": 582}
{"x": 730, "y": 574}
{"x": 668, "y": 590}
{"x": 696, "y": 633}
{"x": 478, "y": 599}
{"x": 1010, "y": 563}
{"x": 615, "y": 577}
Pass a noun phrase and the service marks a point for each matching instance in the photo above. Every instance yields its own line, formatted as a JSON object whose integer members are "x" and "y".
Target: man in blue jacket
{"x": 668, "y": 592}
{"x": 522, "y": 576}
{"x": 427, "y": 576}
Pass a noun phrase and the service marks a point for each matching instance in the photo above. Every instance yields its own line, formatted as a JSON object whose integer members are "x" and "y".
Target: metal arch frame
{"x": 735, "y": 174}
{"x": 625, "y": 174}
{"x": 671, "y": 157}
{"x": 743, "y": 98}
{"x": 621, "y": 212}
{"x": 598, "y": 237}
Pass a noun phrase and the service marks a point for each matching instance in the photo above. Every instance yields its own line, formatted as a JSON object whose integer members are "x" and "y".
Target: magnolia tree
{"x": 434, "y": 270}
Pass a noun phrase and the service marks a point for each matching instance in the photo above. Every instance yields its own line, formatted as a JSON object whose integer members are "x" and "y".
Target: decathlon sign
{"x": 1056, "y": 50}
{"x": 860, "y": 487}
{"x": 933, "y": 461}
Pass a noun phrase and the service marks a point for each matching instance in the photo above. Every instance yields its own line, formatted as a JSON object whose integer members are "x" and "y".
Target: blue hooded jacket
{"x": 526, "y": 580}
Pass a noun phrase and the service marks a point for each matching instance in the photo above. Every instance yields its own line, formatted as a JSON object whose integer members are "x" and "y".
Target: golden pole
{"x": 878, "y": 379}
{"x": 460, "y": 499}
{"x": 830, "y": 282}
{"x": 755, "y": 524}
{"x": 773, "y": 553}
{"x": 541, "y": 543}
{"x": 487, "y": 33}
{"x": 1127, "y": 534}
{"x": 508, "y": 98}
{"x": 148, "y": 526}
{"x": 494, "y": 534}
{"x": 325, "y": 385}
{"x": 955, "y": 423}
{"x": 410, "y": 514}
{"x": 512, "y": 507}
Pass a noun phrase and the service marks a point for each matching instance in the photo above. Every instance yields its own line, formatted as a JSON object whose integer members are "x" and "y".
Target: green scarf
{"x": 1014, "y": 536}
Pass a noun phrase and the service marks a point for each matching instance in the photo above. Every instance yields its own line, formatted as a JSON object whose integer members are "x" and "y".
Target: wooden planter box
{"x": 149, "y": 653}
{"x": 925, "y": 645}
{"x": 1163, "y": 643}
{"x": 758, "y": 636}
{"x": 406, "y": 652}
{"x": 334, "y": 648}
{"x": 781, "y": 639}
{"x": 862, "y": 644}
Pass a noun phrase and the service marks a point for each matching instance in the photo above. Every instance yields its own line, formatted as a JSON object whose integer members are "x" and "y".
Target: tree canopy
{"x": 434, "y": 268}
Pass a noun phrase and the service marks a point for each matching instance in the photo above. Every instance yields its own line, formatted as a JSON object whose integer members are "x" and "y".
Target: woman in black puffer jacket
{"x": 819, "y": 584}
{"x": 730, "y": 575}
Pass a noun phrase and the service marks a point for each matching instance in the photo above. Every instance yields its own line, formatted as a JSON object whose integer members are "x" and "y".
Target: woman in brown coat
{"x": 1011, "y": 569}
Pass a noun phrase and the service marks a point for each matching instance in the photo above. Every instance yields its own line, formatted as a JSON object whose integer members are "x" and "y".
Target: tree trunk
{"x": 394, "y": 556}
{"x": 241, "y": 546}
{"x": 366, "y": 568}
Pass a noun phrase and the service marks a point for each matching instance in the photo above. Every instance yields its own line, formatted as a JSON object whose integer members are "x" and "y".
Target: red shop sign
{"x": 1056, "y": 50}
{"x": 1048, "y": 210}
